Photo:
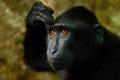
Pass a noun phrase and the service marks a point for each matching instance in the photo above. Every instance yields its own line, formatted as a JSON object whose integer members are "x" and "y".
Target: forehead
{"x": 61, "y": 26}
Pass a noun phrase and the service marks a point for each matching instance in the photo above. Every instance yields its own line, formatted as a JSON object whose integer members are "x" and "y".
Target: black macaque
{"x": 75, "y": 44}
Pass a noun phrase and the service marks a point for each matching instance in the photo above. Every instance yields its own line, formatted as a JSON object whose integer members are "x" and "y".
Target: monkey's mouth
{"x": 57, "y": 65}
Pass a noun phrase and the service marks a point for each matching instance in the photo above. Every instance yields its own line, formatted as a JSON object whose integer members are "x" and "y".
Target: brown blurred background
{"x": 12, "y": 29}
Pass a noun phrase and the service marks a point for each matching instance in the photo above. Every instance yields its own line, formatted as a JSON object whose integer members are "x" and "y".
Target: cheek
{"x": 67, "y": 50}
{"x": 69, "y": 58}
{"x": 49, "y": 43}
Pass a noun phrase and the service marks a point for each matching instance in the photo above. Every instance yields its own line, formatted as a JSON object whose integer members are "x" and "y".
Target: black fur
{"x": 87, "y": 52}
{"x": 35, "y": 39}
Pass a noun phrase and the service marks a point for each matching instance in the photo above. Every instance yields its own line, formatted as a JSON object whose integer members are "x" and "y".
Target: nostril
{"x": 54, "y": 52}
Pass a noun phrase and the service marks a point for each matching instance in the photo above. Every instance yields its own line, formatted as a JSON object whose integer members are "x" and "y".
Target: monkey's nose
{"x": 54, "y": 51}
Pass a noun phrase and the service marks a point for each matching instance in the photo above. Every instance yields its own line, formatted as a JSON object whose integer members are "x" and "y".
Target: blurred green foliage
{"x": 12, "y": 30}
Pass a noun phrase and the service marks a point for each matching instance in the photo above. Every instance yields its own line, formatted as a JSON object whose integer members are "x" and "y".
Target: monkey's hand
{"x": 40, "y": 13}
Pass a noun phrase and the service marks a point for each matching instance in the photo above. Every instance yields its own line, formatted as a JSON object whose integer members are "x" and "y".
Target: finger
{"x": 37, "y": 16}
{"x": 38, "y": 6}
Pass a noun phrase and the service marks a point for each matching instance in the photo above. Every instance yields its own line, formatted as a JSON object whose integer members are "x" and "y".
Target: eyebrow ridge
{"x": 61, "y": 25}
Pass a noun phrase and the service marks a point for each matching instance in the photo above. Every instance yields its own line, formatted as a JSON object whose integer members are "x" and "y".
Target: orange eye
{"x": 64, "y": 32}
{"x": 52, "y": 32}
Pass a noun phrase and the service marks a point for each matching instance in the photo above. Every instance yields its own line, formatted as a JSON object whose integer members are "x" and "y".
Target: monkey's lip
{"x": 56, "y": 65}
